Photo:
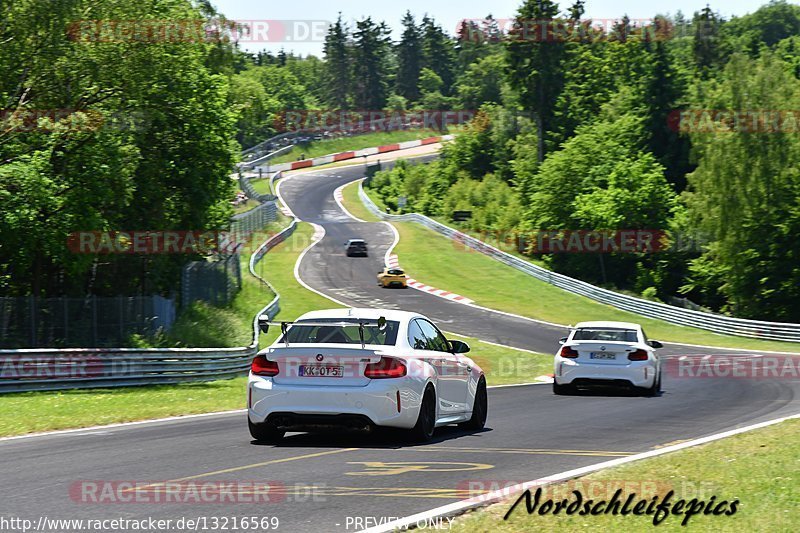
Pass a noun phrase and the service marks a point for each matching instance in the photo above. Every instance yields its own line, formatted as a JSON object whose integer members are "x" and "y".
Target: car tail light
{"x": 387, "y": 367}
{"x": 261, "y": 366}
{"x": 638, "y": 355}
{"x": 568, "y": 352}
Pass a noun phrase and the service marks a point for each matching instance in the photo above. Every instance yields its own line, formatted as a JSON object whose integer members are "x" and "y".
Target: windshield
{"x": 342, "y": 334}
{"x": 605, "y": 334}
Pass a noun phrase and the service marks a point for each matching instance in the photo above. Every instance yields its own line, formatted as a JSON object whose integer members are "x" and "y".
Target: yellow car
{"x": 392, "y": 277}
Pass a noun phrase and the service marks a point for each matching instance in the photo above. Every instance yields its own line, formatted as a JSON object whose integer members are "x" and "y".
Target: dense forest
{"x": 577, "y": 128}
{"x": 687, "y": 126}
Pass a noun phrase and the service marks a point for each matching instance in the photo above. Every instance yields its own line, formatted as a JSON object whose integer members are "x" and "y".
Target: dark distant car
{"x": 355, "y": 247}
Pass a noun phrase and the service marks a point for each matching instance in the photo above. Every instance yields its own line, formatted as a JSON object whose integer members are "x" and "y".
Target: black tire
{"x": 655, "y": 389}
{"x": 480, "y": 408}
{"x": 562, "y": 390}
{"x": 426, "y": 421}
{"x": 264, "y": 432}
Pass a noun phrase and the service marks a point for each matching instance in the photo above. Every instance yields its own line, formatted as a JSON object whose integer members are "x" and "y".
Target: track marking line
{"x": 523, "y": 451}
{"x": 459, "y": 507}
{"x": 244, "y": 467}
{"x": 339, "y": 197}
{"x": 379, "y": 468}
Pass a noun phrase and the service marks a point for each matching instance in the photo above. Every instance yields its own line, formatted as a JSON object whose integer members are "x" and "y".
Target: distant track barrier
{"x": 781, "y": 331}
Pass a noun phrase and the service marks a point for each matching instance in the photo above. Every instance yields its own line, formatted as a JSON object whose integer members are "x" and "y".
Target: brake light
{"x": 261, "y": 366}
{"x": 638, "y": 355}
{"x": 387, "y": 367}
{"x": 568, "y": 352}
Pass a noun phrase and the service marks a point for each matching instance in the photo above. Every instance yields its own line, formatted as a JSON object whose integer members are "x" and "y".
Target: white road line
{"x": 318, "y": 230}
{"x": 338, "y": 196}
{"x": 460, "y": 507}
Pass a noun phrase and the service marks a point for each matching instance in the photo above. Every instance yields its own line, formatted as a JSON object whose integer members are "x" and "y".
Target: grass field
{"x": 357, "y": 142}
{"x": 210, "y": 326}
{"x": 428, "y": 257}
{"x": 760, "y": 468}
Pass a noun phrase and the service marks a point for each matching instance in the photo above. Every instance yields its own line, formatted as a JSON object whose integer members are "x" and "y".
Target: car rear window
{"x": 342, "y": 334}
{"x": 605, "y": 334}
{"x": 396, "y": 272}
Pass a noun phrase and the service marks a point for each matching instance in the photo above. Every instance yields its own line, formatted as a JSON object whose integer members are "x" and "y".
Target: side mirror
{"x": 263, "y": 323}
{"x": 562, "y": 340}
{"x": 458, "y": 346}
{"x": 655, "y": 344}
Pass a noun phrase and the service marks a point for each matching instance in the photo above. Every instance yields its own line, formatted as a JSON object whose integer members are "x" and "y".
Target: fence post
{"x": 121, "y": 319}
{"x": 94, "y": 320}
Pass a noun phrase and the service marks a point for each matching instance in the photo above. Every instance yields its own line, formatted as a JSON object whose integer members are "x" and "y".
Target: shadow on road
{"x": 378, "y": 438}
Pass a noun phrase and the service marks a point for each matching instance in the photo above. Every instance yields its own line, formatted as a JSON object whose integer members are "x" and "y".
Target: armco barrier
{"x": 343, "y": 156}
{"x": 80, "y": 368}
{"x": 676, "y": 315}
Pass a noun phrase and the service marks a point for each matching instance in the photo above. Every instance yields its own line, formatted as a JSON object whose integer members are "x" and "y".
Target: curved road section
{"x": 207, "y": 468}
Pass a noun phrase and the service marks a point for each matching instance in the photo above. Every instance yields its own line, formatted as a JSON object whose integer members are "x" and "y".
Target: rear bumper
{"x": 635, "y": 373}
{"x": 394, "y": 283}
{"x": 303, "y": 407}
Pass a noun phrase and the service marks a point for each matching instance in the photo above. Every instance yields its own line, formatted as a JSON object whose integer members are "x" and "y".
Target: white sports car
{"x": 360, "y": 368}
{"x": 607, "y": 353}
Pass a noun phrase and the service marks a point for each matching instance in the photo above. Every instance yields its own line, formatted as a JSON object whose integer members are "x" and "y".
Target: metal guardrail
{"x": 759, "y": 329}
{"x": 80, "y": 368}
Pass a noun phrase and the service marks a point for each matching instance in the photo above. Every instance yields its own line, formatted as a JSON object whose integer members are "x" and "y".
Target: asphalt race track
{"x": 327, "y": 482}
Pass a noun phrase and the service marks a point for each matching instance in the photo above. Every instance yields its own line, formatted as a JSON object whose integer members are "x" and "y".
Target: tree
{"x": 745, "y": 192}
{"x": 535, "y": 56}
{"x": 409, "y": 56}
{"x": 337, "y": 72}
{"x": 370, "y": 64}
{"x": 438, "y": 52}
{"x": 482, "y": 82}
{"x": 705, "y": 45}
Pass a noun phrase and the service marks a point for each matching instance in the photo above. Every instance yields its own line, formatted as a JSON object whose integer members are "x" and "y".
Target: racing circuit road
{"x": 323, "y": 482}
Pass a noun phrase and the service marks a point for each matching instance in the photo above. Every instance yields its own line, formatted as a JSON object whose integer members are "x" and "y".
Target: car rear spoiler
{"x": 264, "y": 323}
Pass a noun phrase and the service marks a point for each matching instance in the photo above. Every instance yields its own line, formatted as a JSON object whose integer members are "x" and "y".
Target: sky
{"x": 299, "y": 25}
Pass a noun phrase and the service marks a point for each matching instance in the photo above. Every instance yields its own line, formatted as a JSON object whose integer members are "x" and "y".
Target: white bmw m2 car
{"x": 607, "y": 353}
{"x": 362, "y": 368}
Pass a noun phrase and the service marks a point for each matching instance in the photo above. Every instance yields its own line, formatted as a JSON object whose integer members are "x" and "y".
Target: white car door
{"x": 453, "y": 372}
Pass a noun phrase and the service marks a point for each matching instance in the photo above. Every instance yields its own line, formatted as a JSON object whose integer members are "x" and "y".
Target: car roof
{"x": 360, "y": 312}
{"x": 607, "y": 324}
{"x": 356, "y": 240}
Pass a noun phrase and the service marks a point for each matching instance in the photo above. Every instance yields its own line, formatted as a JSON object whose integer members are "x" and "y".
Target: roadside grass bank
{"x": 32, "y": 412}
{"x": 760, "y": 468}
{"x": 356, "y": 142}
{"x": 428, "y": 257}
{"x": 52, "y": 410}
{"x": 203, "y": 325}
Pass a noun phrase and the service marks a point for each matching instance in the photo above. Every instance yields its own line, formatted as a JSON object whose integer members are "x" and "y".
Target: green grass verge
{"x": 30, "y": 412}
{"x": 358, "y": 142}
{"x": 429, "y": 257}
{"x": 203, "y": 325}
{"x": 354, "y": 204}
{"x": 760, "y": 468}
{"x": 261, "y": 186}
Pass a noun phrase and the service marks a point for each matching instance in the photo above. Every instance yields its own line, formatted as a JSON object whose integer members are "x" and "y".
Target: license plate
{"x": 602, "y": 355}
{"x": 321, "y": 371}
